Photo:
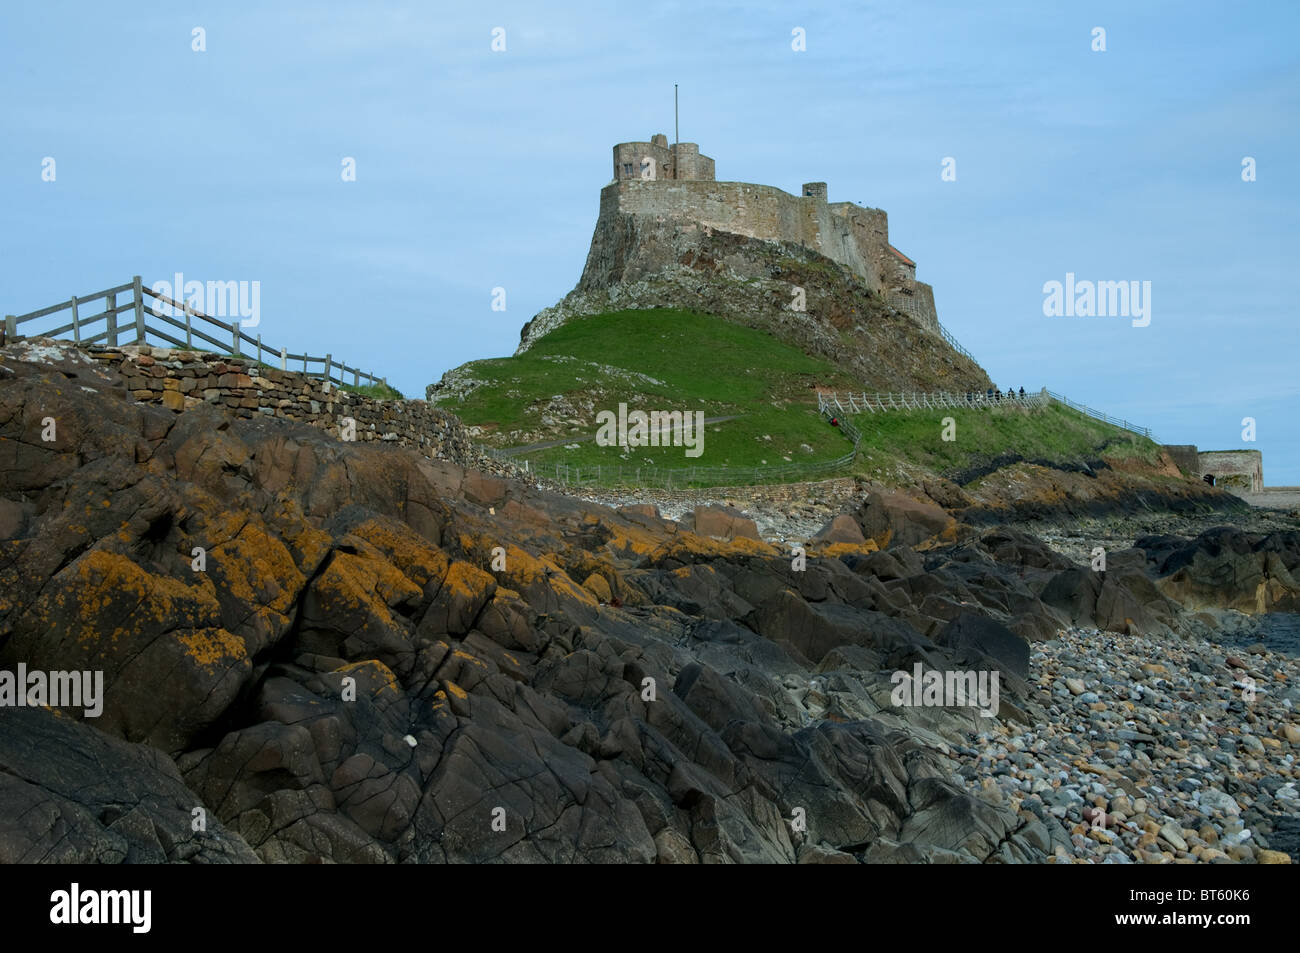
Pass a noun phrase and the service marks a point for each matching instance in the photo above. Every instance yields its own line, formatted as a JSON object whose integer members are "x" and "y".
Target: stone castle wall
{"x": 1186, "y": 456}
{"x": 180, "y": 380}
{"x": 855, "y": 237}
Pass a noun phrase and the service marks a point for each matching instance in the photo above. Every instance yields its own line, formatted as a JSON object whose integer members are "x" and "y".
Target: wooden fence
{"x": 1106, "y": 418}
{"x": 142, "y": 321}
{"x": 834, "y": 404}
{"x": 910, "y": 306}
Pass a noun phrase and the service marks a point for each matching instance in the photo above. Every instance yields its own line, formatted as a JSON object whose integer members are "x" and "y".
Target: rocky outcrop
{"x": 351, "y": 652}
{"x": 180, "y": 380}
{"x": 750, "y": 281}
{"x": 1227, "y": 568}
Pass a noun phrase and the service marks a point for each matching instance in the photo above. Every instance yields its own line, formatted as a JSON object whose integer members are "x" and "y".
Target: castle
{"x": 677, "y": 183}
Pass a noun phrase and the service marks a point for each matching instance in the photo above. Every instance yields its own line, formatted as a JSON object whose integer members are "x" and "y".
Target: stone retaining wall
{"x": 1186, "y": 456}
{"x": 180, "y": 380}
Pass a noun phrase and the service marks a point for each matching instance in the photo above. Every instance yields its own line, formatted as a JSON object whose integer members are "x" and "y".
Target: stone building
{"x": 656, "y": 160}
{"x": 1234, "y": 470}
{"x": 676, "y": 183}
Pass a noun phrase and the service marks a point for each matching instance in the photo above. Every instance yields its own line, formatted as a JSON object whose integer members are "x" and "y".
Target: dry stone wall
{"x": 180, "y": 380}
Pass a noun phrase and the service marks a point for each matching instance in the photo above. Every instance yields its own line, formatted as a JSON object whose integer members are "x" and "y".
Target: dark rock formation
{"x": 352, "y": 653}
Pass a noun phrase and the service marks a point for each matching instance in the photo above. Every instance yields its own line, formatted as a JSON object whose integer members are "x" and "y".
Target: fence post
{"x": 76, "y": 324}
{"x": 189, "y": 339}
{"x": 11, "y": 328}
{"x": 110, "y": 309}
{"x": 329, "y": 363}
{"x": 356, "y": 377}
{"x": 259, "y": 349}
{"x": 235, "y": 338}
{"x": 282, "y": 359}
{"x": 138, "y": 296}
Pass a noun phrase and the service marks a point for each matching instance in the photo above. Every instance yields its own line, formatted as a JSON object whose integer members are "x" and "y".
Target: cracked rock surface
{"x": 381, "y": 658}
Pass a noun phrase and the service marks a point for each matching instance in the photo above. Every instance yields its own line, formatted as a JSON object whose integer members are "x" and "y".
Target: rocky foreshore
{"x": 322, "y": 651}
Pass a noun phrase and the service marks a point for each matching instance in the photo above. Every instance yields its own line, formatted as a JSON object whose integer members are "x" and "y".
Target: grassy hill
{"x": 679, "y": 360}
{"x": 898, "y": 441}
{"x": 653, "y": 360}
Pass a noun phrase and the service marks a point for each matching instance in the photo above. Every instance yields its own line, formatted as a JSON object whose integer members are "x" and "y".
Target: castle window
{"x": 627, "y": 168}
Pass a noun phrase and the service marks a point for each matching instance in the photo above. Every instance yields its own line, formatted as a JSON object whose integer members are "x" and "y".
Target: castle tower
{"x": 656, "y": 161}
{"x": 690, "y": 164}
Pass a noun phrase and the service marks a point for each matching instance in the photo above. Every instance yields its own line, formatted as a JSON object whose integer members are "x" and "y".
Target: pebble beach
{"x": 1155, "y": 751}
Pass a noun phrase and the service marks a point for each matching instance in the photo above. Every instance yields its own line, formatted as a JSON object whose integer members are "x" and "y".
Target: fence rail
{"x": 146, "y": 321}
{"x": 1105, "y": 418}
{"x": 952, "y": 342}
{"x": 836, "y": 404}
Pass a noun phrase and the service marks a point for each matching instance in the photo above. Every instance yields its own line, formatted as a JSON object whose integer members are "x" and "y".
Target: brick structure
{"x": 1241, "y": 471}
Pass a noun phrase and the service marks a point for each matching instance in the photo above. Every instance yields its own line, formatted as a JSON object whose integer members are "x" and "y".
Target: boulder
{"x": 841, "y": 529}
{"x": 723, "y": 522}
{"x": 972, "y": 636}
{"x": 893, "y": 519}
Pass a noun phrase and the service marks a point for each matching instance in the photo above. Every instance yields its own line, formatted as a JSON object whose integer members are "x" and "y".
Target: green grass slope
{"x": 670, "y": 360}
{"x": 897, "y": 443}
{"x": 655, "y": 360}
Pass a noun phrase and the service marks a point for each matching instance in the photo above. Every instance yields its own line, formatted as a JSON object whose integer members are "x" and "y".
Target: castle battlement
{"x": 657, "y": 161}
{"x": 677, "y": 183}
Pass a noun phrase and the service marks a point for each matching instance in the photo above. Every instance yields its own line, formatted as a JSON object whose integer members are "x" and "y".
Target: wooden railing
{"x": 835, "y": 404}
{"x": 839, "y": 405}
{"x": 1106, "y": 418}
{"x": 910, "y": 306}
{"x": 952, "y": 342}
{"x": 144, "y": 321}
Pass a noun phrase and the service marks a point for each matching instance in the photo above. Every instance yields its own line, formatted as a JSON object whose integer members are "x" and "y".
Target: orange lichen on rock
{"x": 835, "y": 550}
{"x": 256, "y": 568}
{"x": 373, "y": 674}
{"x": 690, "y": 547}
{"x": 524, "y": 570}
{"x": 418, "y": 559}
{"x": 213, "y": 649}
{"x": 354, "y": 583}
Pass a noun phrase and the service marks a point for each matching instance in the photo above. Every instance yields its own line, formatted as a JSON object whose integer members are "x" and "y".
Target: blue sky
{"x": 478, "y": 169}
